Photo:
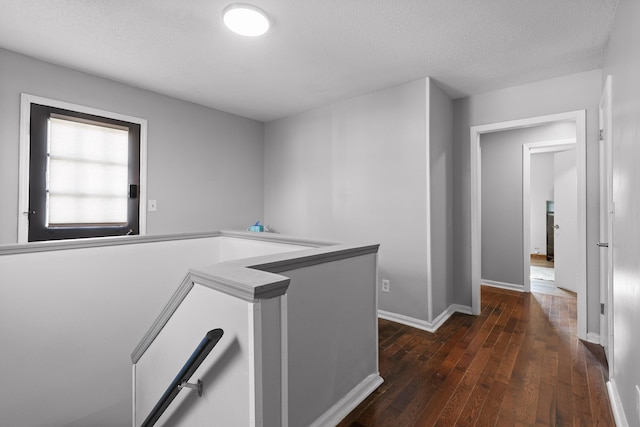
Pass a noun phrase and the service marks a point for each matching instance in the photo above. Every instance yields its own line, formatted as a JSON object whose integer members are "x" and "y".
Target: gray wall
{"x": 623, "y": 63}
{"x": 356, "y": 171}
{"x": 541, "y": 191}
{"x": 205, "y": 167}
{"x": 501, "y": 159}
{"x": 559, "y": 95}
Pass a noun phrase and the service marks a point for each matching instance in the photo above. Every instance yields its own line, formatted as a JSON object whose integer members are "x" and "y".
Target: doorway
{"x": 579, "y": 118}
{"x": 550, "y": 200}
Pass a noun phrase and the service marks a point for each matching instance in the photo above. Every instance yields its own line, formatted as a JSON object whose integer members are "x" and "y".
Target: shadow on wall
{"x": 208, "y": 377}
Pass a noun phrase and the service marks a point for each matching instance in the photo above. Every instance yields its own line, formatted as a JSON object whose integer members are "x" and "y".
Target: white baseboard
{"x": 616, "y": 405}
{"x": 349, "y": 402}
{"x": 594, "y": 338}
{"x": 503, "y": 285}
{"x": 423, "y": 324}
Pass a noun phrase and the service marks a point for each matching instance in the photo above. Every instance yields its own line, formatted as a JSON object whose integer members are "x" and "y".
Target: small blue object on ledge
{"x": 257, "y": 227}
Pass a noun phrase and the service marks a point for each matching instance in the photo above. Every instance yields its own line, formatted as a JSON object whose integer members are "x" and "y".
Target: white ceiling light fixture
{"x": 245, "y": 19}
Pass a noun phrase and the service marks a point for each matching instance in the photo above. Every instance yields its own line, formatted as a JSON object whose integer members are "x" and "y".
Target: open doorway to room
{"x": 552, "y": 209}
{"x": 521, "y": 171}
{"x": 542, "y": 215}
{"x": 515, "y": 274}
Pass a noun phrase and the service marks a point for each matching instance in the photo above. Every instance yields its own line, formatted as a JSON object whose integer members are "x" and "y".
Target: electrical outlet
{"x": 153, "y": 205}
{"x": 385, "y": 285}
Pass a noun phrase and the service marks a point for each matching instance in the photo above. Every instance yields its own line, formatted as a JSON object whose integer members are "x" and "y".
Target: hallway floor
{"x": 517, "y": 364}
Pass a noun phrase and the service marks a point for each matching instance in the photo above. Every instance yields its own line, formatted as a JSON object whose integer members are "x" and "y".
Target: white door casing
{"x": 607, "y": 217}
{"x": 579, "y": 117}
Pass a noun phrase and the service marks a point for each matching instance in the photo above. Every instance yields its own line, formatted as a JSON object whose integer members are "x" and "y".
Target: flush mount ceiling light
{"x": 245, "y": 20}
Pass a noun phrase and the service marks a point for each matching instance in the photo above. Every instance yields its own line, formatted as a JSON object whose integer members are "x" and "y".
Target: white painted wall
{"x": 541, "y": 192}
{"x": 234, "y": 248}
{"x": 225, "y": 372}
{"x": 70, "y": 318}
{"x": 330, "y": 324}
{"x": 69, "y": 321}
{"x": 194, "y": 152}
{"x": 559, "y": 95}
{"x": 356, "y": 171}
{"x": 501, "y": 153}
{"x": 624, "y": 66}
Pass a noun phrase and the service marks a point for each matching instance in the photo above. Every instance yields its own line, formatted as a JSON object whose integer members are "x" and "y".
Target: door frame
{"x": 528, "y": 149}
{"x": 579, "y": 117}
{"x": 606, "y": 287}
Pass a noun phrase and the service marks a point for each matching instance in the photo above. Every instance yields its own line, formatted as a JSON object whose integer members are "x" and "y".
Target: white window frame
{"x": 25, "y": 147}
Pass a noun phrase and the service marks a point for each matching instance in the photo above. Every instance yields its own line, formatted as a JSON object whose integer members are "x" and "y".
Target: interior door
{"x": 566, "y": 217}
{"x": 606, "y": 224}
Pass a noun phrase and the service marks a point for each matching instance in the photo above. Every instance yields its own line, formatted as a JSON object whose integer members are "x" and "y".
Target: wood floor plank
{"x": 596, "y": 379}
{"x": 491, "y": 409}
{"x": 476, "y": 400}
{"x": 580, "y": 389}
{"x": 546, "y": 409}
{"x": 463, "y": 390}
{"x": 451, "y": 370}
{"x": 518, "y": 363}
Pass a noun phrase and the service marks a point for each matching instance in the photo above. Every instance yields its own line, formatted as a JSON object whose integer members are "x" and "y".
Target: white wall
{"x": 233, "y": 248}
{"x": 225, "y": 373}
{"x": 559, "y": 95}
{"x": 69, "y": 321}
{"x": 356, "y": 171}
{"x": 541, "y": 192}
{"x": 502, "y": 238}
{"x": 623, "y": 64}
{"x": 197, "y": 156}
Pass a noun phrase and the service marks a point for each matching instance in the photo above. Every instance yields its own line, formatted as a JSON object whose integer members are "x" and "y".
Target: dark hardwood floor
{"x": 517, "y": 364}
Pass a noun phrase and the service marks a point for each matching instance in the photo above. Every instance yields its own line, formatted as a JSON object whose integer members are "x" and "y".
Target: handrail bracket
{"x": 197, "y": 386}
{"x": 181, "y": 380}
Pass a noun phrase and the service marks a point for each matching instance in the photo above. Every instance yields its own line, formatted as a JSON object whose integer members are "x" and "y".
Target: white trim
{"x": 428, "y": 201}
{"x": 255, "y": 365}
{"x": 476, "y": 224}
{"x": 463, "y": 309}
{"x": 527, "y": 150}
{"x": 504, "y": 285}
{"x": 375, "y": 312}
{"x": 96, "y": 242}
{"x": 616, "y": 404}
{"x": 133, "y": 395}
{"x": 423, "y": 324}
{"x": 143, "y": 193}
{"x": 284, "y": 361}
{"x": 526, "y": 217}
{"x": 23, "y": 169}
{"x": 23, "y": 180}
{"x": 579, "y": 117}
{"x": 349, "y": 402}
{"x": 594, "y": 338}
{"x": 606, "y": 295}
{"x": 603, "y": 342}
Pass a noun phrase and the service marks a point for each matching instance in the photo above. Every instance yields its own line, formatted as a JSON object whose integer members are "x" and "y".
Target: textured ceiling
{"x": 317, "y": 52}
